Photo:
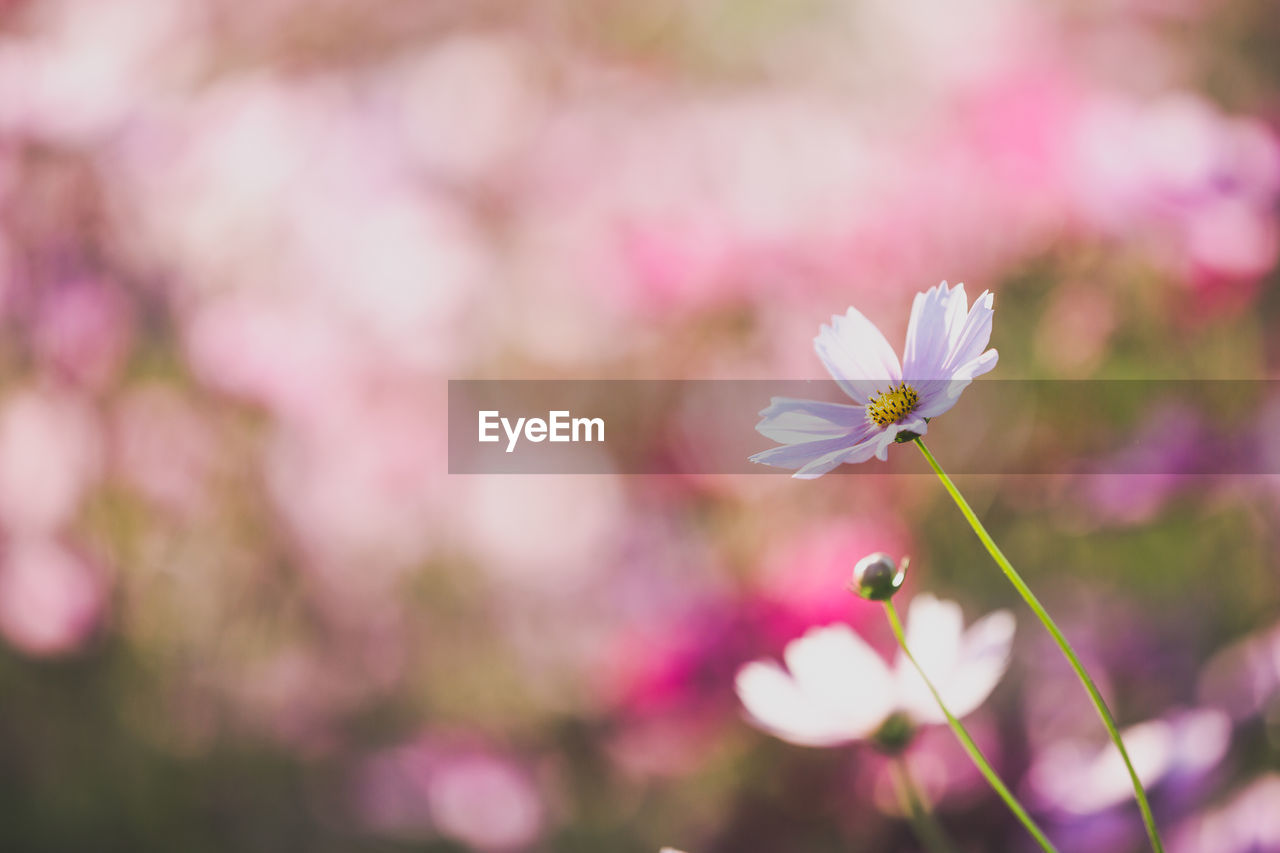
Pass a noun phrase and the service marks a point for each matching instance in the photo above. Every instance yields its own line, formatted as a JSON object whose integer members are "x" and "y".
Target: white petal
{"x": 792, "y": 421}
{"x": 939, "y": 395}
{"x": 1081, "y": 779}
{"x": 857, "y": 355}
{"x": 1077, "y": 781}
{"x": 936, "y": 319}
{"x": 957, "y": 308}
{"x": 838, "y": 690}
{"x": 815, "y": 458}
{"x": 821, "y": 465}
{"x": 934, "y": 629}
{"x": 812, "y": 459}
{"x": 839, "y": 670}
{"x": 817, "y": 436}
{"x": 828, "y": 462}
{"x": 776, "y": 705}
{"x": 983, "y": 660}
{"x": 973, "y": 335}
{"x": 876, "y": 444}
{"x": 964, "y": 666}
{"x": 980, "y": 365}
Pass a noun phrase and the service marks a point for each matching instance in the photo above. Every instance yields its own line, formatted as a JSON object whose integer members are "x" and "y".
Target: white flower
{"x": 1083, "y": 780}
{"x": 945, "y": 349}
{"x": 837, "y": 689}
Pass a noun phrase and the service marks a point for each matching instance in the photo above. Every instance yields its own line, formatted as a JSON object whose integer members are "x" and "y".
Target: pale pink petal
{"x": 791, "y": 421}
{"x": 857, "y": 355}
{"x": 973, "y": 334}
{"x": 936, "y": 318}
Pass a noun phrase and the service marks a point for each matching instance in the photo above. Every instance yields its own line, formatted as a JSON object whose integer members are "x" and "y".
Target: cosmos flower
{"x": 1247, "y": 822}
{"x": 945, "y": 349}
{"x": 1180, "y": 746}
{"x": 453, "y": 785}
{"x": 837, "y": 689}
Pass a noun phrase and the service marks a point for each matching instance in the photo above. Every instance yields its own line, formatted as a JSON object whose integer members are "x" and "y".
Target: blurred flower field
{"x": 244, "y": 246}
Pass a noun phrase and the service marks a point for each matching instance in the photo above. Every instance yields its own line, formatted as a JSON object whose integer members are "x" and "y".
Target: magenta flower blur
{"x": 946, "y": 348}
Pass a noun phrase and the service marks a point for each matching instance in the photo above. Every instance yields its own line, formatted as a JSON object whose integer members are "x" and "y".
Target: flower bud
{"x": 876, "y": 578}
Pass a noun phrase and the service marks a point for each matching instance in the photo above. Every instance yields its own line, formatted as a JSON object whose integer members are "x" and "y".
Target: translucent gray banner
{"x": 1005, "y": 427}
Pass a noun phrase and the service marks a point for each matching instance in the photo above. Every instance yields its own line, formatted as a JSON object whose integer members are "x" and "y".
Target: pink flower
{"x": 810, "y": 573}
{"x": 1201, "y": 186}
{"x": 50, "y": 451}
{"x": 51, "y": 599}
{"x": 466, "y": 791}
{"x": 1247, "y": 822}
{"x": 1083, "y": 779}
{"x": 82, "y": 331}
{"x": 165, "y": 447}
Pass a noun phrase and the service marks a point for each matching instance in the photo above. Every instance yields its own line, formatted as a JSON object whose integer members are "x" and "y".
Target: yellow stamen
{"x": 890, "y": 407}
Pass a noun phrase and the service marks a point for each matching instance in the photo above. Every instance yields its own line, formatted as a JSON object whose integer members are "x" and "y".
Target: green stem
{"x": 923, "y": 823}
{"x": 1043, "y": 615}
{"x": 966, "y": 741}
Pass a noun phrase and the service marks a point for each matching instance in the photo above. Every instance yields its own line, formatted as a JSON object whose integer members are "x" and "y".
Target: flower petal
{"x": 984, "y": 657}
{"x": 822, "y": 436}
{"x": 857, "y": 355}
{"x": 875, "y": 444}
{"x": 858, "y": 453}
{"x": 791, "y": 421}
{"x": 964, "y": 666}
{"x": 775, "y": 704}
{"x": 836, "y": 667}
{"x": 973, "y": 334}
{"x": 838, "y": 689}
{"x": 820, "y": 466}
{"x": 934, "y": 629}
{"x": 936, "y": 319}
{"x": 939, "y": 395}
{"x": 889, "y": 436}
{"x": 802, "y": 454}
{"x": 984, "y": 363}
{"x": 943, "y": 354}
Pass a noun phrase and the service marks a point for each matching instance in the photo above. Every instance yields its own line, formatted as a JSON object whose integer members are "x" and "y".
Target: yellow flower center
{"x": 890, "y": 407}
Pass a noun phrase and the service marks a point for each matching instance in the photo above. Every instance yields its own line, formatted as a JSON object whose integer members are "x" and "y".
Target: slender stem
{"x": 923, "y": 823}
{"x": 1043, "y": 615}
{"x": 966, "y": 741}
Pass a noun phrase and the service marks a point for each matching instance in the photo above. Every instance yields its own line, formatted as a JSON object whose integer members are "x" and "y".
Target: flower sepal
{"x": 895, "y": 734}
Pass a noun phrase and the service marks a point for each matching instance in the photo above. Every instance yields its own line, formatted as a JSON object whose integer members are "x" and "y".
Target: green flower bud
{"x": 876, "y": 578}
